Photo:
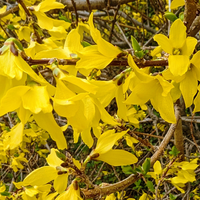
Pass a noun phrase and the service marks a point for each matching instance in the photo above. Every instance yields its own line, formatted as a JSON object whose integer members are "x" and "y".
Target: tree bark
{"x": 95, "y": 4}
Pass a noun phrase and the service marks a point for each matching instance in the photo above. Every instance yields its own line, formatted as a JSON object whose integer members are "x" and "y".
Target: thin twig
{"x": 113, "y": 22}
{"x": 74, "y": 5}
{"x": 89, "y": 6}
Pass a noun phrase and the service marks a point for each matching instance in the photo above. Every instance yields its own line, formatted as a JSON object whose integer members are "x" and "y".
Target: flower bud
{"x": 13, "y": 49}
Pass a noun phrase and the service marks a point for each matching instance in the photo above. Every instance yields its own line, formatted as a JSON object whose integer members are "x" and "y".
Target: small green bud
{"x": 170, "y": 16}
{"x": 181, "y": 16}
{"x": 18, "y": 43}
{"x": 139, "y": 54}
{"x": 135, "y": 44}
{"x": 146, "y": 165}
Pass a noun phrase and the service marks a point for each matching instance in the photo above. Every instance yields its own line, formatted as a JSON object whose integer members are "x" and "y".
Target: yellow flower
{"x": 104, "y": 151}
{"x": 157, "y": 171}
{"x": 187, "y": 84}
{"x": 102, "y": 53}
{"x": 45, "y": 6}
{"x": 74, "y": 100}
{"x": 73, "y": 192}
{"x": 178, "y": 46}
{"x": 46, "y": 174}
{"x": 33, "y": 100}
{"x": 157, "y": 90}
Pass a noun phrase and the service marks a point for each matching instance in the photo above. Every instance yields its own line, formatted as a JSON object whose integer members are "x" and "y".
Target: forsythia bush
{"x": 74, "y": 94}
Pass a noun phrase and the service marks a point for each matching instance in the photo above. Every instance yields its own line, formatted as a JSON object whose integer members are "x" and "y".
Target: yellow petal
{"x": 7, "y": 104}
{"x": 82, "y": 83}
{"x": 40, "y": 176}
{"x": 47, "y": 122}
{"x": 122, "y": 109}
{"x": 164, "y": 105}
{"x": 80, "y": 124}
{"x": 175, "y": 92}
{"x": 86, "y": 137}
{"x": 188, "y": 87}
{"x": 11, "y": 69}
{"x": 107, "y": 140}
{"x": 60, "y": 183}
{"x": 37, "y": 100}
{"x": 73, "y": 42}
{"x": 52, "y": 53}
{"x": 178, "y": 64}
{"x": 58, "y": 33}
{"x": 138, "y": 72}
{"x": 196, "y": 62}
{"x": 98, "y": 61}
{"x": 15, "y": 136}
{"x": 104, "y": 114}
{"x": 197, "y": 102}
{"x": 177, "y": 3}
{"x": 23, "y": 114}
{"x": 48, "y": 5}
{"x": 71, "y": 194}
{"x": 104, "y": 47}
{"x": 189, "y": 46}
{"x": 157, "y": 168}
{"x": 31, "y": 192}
{"x": 164, "y": 42}
{"x": 123, "y": 157}
{"x": 177, "y": 34}
{"x": 139, "y": 97}
{"x": 42, "y": 20}
{"x": 53, "y": 159}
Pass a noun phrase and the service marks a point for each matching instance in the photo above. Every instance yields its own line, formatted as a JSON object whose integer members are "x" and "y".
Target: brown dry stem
{"x": 189, "y": 13}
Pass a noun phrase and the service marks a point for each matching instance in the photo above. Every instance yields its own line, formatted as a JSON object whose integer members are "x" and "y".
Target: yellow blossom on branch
{"x": 178, "y": 46}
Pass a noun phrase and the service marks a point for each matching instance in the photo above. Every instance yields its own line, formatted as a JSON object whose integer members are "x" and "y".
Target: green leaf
{"x": 18, "y": 43}
{"x": 85, "y": 44}
{"x": 61, "y": 156}
{"x": 139, "y": 54}
{"x": 146, "y": 165}
{"x": 150, "y": 186}
{"x": 135, "y": 44}
{"x": 64, "y": 18}
{"x": 170, "y": 16}
{"x": 172, "y": 197}
{"x": 127, "y": 169}
{"x": 181, "y": 16}
{"x": 174, "y": 151}
{"x": 11, "y": 27}
{"x": 5, "y": 194}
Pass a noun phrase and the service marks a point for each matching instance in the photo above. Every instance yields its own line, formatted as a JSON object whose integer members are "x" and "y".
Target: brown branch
{"x": 140, "y": 64}
{"x": 178, "y": 138}
{"x": 195, "y": 27}
{"x": 189, "y": 13}
{"x": 89, "y": 6}
{"x": 95, "y": 4}
{"x": 192, "y": 134}
{"x": 113, "y": 23}
{"x": 106, "y": 190}
{"x": 24, "y": 7}
{"x": 75, "y": 9}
